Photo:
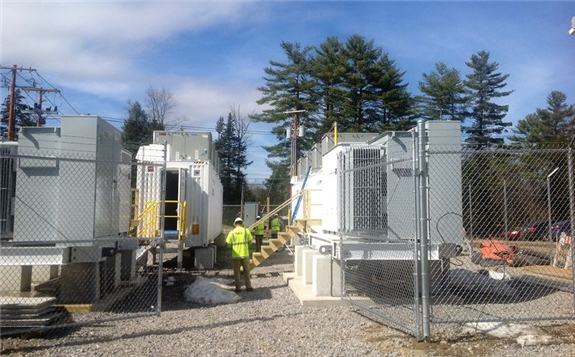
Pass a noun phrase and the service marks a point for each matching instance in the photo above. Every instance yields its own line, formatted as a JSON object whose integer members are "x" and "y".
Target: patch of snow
{"x": 525, "y": 335}
{"x": 210, "y": 292}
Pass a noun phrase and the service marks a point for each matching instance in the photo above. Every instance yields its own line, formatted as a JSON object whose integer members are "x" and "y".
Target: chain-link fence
{"x": 516, "y": 258}
{"x": 434, "y": 234}
{"x": 76, "y": 244}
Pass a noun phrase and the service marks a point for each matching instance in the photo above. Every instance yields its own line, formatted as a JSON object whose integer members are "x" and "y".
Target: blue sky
{"x": 212, "y": 55}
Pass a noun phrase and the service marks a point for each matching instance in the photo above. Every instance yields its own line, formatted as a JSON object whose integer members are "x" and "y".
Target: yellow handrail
{"x": 183, "y": 218}
{"x": 150, "y": 219}
{"x": 275, "y": 210}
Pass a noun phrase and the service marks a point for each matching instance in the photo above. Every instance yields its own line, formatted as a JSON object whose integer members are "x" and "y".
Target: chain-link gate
{"x": 78, "y": 243}
{"x": 433, "y": 232}
{"x": 378, "y": 238}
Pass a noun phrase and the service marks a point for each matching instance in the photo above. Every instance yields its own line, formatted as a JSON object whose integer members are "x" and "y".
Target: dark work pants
{"x": 259, "y": 240}
{"x": 245, "y": 263}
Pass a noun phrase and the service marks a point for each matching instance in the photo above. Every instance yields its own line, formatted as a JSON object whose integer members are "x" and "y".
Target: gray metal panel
{"x": 444, "y": 143}
{"x": 36, "y": 206}
{"x": 77, "y": 180}
{"x": 400, "y": 199}
{"x": 7, "y": 188}
{"x": 187, "y": 145}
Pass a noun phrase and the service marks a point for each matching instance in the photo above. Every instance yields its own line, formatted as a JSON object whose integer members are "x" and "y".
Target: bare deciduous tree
{"x": 160, "y": 103}
{"x": 241, "y": 124}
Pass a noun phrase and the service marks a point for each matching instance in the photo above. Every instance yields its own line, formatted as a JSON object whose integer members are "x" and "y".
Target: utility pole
{"x": 14, "y": 69}
{"x": 12, "y": 103}
{"x": 242, "y": 202}
{"x": 293, "y": 138}
{"x": 38, "y": 110}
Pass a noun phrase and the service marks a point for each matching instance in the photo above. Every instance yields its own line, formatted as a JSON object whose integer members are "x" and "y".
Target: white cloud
{"x": 80, "y": 41}
{"x": 203, "y": 102}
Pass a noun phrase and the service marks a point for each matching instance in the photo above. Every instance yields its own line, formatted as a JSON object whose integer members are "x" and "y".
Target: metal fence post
{"x": 416, "y": 270}
{"x": 162, "y": 222}
{"x": 505, "y": 210}
{"x": 423, "y": 222}
{"x": 571, "y": 210}
{"x": 470, "y": 215}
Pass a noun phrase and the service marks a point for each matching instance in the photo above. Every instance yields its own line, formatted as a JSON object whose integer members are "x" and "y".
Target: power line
{"x": 61, "y": 95}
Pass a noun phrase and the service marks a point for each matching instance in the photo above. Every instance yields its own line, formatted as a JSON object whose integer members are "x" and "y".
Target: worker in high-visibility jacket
{"x": 259, "y": 233}
{"x": 276, "y": 225}
{"x": 239, "y": 238}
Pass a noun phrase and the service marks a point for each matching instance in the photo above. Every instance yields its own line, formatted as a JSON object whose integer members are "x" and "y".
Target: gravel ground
{"x": 267, "y": 322}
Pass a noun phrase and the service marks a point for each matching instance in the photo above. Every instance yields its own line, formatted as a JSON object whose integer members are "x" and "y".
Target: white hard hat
{"x": 259, "y": 217}
{"x": 238, "y": 220}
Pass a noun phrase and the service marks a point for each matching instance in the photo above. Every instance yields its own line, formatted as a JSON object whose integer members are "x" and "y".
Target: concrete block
{"x": 10, "y": 278}
{"x": 80, "y": 283}
{"x": 307, "y": 265}
{"x": 298, "y": 252}
{"x": 110, "y": 279}
{"x": 326, "y": 276}
{"x": 128, "y": 265}
{"x": 44, "y": 273}
{"x": 205, "y": 257}
{"x": 26, "y": 278}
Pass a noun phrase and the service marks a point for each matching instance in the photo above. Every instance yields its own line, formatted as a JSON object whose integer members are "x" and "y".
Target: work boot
{"x": 237, "y": 290}
{"x": 250, "y": 289}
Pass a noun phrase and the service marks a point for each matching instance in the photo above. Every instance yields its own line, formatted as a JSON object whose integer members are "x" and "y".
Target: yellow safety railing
{"x": 181, "y": 216}
{"x": 275, "y": 210}
{"x": 150, "y": 219}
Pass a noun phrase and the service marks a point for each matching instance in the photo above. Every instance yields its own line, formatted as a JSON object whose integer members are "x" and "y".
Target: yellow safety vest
{"x": 275, "y": 225}
{"x": 259, "y": 231}
{"x": 239, "y": 238}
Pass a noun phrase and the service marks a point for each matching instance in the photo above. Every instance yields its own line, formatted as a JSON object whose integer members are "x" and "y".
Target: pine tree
{"x": 552, "y": 125}
{"x": 328, "y": 68}
{"x": 231, "y": 146}
{"x": 484, "y": 85}
{"x": 20, "y": 118}
{"x": 137, "y": 129}
{"x": 444, "y": 94}
{"x": 361, "y": 71}
{"x": 375, "y": 97}
{"x": 288, "y": 87}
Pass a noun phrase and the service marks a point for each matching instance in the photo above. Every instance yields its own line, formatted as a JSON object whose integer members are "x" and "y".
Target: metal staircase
{"x": 291, "y": 231}
{"x": 275, "y": 244}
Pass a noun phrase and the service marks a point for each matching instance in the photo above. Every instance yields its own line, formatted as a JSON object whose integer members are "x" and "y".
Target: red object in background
{"x": 514, "y": 235}
{"x": 497, "y": 250}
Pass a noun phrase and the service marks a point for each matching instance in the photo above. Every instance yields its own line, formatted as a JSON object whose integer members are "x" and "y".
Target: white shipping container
{"x": 193, "y": 182}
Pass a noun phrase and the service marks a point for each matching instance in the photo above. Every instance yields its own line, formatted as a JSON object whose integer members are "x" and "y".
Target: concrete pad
{"x": 305, "y": 296}
{"x": 287, "y": 276}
